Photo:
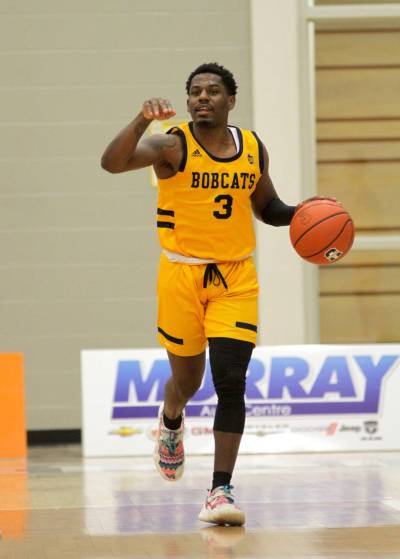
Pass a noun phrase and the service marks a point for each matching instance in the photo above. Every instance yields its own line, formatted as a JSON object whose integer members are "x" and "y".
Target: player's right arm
{"x": 128, "y": 151}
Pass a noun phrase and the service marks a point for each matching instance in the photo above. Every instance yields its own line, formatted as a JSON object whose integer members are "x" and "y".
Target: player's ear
{"x": 231, "y": 102}
{"x": 187, "y": 105}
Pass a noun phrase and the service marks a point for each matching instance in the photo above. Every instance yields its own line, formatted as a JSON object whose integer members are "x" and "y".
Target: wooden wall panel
{"x": 366, "y": 93}
{"x": 342, "y": 150}
{"x": 370, "y": 191}
{"x": 363, "y": 319}
{"x": 368, "y": 278}
{"x": 361, "y": 257}
{"x": 357, "y": 48}
{"x": 334, "y": 129}
{"x": 333, "y": 2}
{"x": 358, "y": 149}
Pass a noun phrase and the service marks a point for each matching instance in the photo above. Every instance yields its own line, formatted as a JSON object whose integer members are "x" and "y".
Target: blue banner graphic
{"x": 279, "y": 386}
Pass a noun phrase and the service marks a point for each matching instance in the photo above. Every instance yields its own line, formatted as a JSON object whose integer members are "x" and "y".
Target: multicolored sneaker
{"x": 169, "y": 456}
{"x": 220, "y": 508}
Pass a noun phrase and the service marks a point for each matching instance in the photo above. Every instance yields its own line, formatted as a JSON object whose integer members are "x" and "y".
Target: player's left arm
{"x": 267, "y": 206}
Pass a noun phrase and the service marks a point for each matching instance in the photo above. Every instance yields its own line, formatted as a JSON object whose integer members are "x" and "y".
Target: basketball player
{"x": 211, "y": 178}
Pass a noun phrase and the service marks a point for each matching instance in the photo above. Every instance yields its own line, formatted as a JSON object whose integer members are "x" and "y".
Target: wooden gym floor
{"x": 59, "y": 505}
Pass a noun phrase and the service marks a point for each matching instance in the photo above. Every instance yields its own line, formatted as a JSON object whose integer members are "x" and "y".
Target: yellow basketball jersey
{"x": 204, "y": 211}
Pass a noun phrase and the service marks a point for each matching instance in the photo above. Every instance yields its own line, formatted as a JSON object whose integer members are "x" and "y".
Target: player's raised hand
{"x": 158, "y": 109}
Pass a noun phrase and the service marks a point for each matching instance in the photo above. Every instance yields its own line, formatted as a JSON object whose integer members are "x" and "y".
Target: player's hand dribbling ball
{"x": 321, "y": 231}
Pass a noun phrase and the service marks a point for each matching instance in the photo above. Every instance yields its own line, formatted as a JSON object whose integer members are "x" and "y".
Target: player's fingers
{"x": 148, "y": 110}
{"x": 170, "y": 109}
{"x": 166, "y": 108}
{"x": 314, "y": 198}
{"x": 158, "y": 108}
{"x": 330, "y": 198}
{"x": 155, "y": 104}
{"x": 152, "y": 108}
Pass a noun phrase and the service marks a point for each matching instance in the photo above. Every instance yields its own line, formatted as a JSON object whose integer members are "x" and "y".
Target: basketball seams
{"x": 318, "y": 203}
{"x": 331, "y": 242}
{"x": 315, "y": 228}
{"x": 326, "y": 218}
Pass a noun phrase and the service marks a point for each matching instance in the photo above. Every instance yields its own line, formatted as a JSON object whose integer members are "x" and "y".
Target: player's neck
{"x": 216, "y": 139}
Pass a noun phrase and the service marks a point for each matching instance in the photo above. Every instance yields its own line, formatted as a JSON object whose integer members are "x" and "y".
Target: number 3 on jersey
{"x": 227, "y": 206}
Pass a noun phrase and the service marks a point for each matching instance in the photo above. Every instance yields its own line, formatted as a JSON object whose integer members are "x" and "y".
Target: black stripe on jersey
{"x": 246, "y": 326}
{"x": 227, "y": 159}
{"x": 160, "y": 211}
{"x": 170, "y": 338}
{"x": 260, "y": 152}
{"x": 165, "y": 224}
{"x": 178, "y": 132}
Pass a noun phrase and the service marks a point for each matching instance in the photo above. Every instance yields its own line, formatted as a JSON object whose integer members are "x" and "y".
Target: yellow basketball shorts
{"x": 189, "y": 312}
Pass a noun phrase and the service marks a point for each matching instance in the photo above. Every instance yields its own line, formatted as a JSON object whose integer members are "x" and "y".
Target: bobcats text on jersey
{"x": 223, "y": 180}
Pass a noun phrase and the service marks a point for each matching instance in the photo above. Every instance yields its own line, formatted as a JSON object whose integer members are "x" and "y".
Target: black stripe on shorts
{"x": 166, "y": 224}
{"x": 160, "y": 211}
{"x": 246, "y": 326}
{"x": 178, "y": 341}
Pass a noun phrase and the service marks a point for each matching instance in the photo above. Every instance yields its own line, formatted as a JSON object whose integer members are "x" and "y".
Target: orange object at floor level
{"x": 14, "y": 496}
{"x": 12, "y": 406}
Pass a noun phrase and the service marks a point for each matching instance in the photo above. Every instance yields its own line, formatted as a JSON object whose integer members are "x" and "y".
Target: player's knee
{"x": 229, "y": 360}
{"x": 230, "y": 384}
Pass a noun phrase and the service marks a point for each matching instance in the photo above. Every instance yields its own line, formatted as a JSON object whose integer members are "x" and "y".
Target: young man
{"x": 211, "y": 178}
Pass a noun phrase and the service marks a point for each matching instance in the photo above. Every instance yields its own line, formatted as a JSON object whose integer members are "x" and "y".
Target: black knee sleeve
{"x": 229, "y": 360}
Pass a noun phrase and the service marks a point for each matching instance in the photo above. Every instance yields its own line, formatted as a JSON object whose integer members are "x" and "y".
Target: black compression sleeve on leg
{"x": 277, "y": 213}
{"x": 229, "y": 360}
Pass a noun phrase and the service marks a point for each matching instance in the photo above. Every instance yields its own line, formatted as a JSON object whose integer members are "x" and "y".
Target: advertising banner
{"x": 298, "y": 399}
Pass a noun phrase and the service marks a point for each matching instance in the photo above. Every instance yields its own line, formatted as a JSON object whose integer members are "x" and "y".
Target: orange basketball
{"x": 322, "y": 231}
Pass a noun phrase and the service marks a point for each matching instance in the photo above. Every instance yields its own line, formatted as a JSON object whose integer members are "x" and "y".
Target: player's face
{"x": 208, "y": 102}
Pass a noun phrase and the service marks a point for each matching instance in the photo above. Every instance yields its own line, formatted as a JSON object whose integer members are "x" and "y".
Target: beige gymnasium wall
{"x": 358, "y": 135}
{"x": 78, "y": 246}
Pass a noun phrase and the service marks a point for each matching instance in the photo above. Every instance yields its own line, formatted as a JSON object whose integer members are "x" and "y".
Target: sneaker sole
{"x": 228, "y": 515}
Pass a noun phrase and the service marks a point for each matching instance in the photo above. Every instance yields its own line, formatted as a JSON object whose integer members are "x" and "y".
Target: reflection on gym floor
{"x": 59, "y": 505}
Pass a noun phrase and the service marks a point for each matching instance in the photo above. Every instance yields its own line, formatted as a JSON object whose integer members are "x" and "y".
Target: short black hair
{"x": 214, "y": 68}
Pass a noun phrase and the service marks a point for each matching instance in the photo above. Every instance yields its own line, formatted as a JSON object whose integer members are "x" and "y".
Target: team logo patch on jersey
{"x": 196, "y": 153}
{"x": 250, "y": 158}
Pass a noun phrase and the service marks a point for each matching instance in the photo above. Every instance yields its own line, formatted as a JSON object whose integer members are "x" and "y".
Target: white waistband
{"x": 192, "y": 260}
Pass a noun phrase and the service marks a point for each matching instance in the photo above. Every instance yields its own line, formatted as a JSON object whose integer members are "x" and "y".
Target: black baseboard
{"x": 54, "y": 437}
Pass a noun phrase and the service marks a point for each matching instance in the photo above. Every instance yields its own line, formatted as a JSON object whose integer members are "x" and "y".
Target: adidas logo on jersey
{"x": 196, "y": 153}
